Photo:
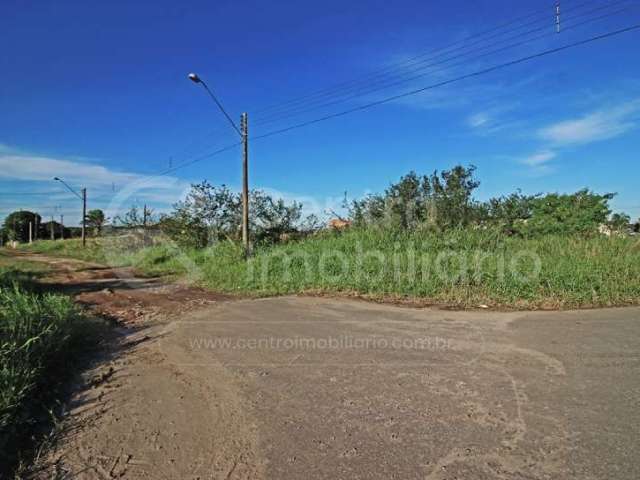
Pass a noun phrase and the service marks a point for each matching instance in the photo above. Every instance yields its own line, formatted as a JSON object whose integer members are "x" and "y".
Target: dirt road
{"x": 202, "y": 386}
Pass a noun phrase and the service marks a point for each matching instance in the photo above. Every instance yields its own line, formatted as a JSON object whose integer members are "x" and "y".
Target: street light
{"x": 82, "y": 197}
{"x": 243, "y": 131}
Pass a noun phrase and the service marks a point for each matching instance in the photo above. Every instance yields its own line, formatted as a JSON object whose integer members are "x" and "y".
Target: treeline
{"x": 445, "y": 200}
{"x": 23, "y": 225}
{"x": 439, "y": 201}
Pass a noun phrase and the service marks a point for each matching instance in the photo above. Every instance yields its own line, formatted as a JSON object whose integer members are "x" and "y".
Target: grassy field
{"x": 41, "y": 336}
{"x": 463, "y": 268}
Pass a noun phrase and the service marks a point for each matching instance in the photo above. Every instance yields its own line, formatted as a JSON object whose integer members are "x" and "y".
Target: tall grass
{"x": 460, "y": 267}
{"x": 40, "y": 336}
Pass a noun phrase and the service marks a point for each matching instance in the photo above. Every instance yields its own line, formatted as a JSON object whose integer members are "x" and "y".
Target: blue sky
{"x": 96, "y": 92}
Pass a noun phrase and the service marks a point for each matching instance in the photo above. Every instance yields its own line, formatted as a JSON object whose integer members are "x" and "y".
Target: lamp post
{"x": 82, "y": 197}
{"x": 243, "y": 131}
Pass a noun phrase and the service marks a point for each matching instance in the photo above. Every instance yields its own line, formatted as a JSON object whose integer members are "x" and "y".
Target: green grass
{"x": 72, "y": 248}
{"x": 41, "y": 337}
{"x": 463, "y": 268}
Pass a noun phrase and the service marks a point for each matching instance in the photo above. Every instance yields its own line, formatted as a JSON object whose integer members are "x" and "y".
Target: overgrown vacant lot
{"x": 460, "y": 267}
{"x": 40, "y": 337}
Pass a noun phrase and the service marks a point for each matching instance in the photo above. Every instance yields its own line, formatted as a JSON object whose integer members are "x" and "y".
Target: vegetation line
{"x": 426, "y": 239}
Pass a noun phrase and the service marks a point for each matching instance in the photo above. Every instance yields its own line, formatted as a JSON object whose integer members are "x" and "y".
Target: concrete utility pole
{"x": 82, "y": 197}
{"x": 243, "y": 131}
{"x": 244, "y": 126}
{"x": 62, "y": 226}
{"x": 84, "y": 217}
{"x": 30, "y": 232}
{"x": 53, "y": 235}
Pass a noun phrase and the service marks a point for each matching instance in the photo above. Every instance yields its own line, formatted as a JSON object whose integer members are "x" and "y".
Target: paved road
{"x": 344, "y": 389}
{"x": 205, "y": 387}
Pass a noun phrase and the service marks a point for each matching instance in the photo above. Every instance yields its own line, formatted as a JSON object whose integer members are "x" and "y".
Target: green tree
{"x": 580, "y": 212}
{"x": 96, "y": 219}
{"x": 16, "y": 225}
{"x": 619, "y": 222}
{"x": 442, "y": 200}
{"x": 509, "y": 212}
{"x": 210, "y": 213}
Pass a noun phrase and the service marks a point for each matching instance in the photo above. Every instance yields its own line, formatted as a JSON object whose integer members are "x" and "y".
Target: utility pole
{"x": 244, "y": 129}
{"x": 30, "y": 232}
{"x": 84, "y": 216}
{"x": 144, "y": 225}
{"x": 62, "y": 226}
{"x": 82, "y": 197}
{"x": 53, "y": 235}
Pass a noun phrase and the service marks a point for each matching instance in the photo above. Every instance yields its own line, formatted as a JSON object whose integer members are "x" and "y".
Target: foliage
{"x": 581, "y": 212}
{"x": 442, "y": 200}
{"x": 16, "y": 225}
{"x": 134, "y": 218}
{"x": 508, "y": 213}
{"x": 95, "y": 219}
{"x": 445, "y": 201}
{"x": 186, "y": 230}
{"x": 211, "y": 213}
{"x": 619, "y": 222}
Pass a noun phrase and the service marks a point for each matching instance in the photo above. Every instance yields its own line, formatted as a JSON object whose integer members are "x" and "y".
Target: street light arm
{"x": 68, "y": 187}
{"x": 233, "y": 124}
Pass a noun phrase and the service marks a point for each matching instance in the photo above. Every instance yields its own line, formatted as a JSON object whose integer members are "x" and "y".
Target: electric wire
{"x": 398, "y": 64}
{"x": 453, "y": 80}
{"x": 462, "y": 61}
{"x": 389, "y": 70}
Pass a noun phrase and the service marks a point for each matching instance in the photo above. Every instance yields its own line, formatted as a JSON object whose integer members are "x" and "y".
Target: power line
{"x": 394, "y": 70}
{"x": 392, "y": 98}
{"x": 457, "y": 79}
{"x": 185, "y": 164}
{"x": 397, "y": 64}
{"x": 307, "y": 108}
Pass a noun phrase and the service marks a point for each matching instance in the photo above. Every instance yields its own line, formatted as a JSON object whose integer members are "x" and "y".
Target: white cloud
{"x": 538, "y": 159}
{"x": 539, "y": 163}
{"x": 36, "y": 173}
{"x": 595, "y": 126}
{"x": 478, "y": 120}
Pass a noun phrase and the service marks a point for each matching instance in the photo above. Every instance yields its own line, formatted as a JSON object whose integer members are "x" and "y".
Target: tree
{"x": 509, "y": 212}
{"x": 16, "y": 225}
{"x": 133, "y": 218}
{"x": 210, "y": 213}
{"x": 95, "y": 219}
{"x": 442, "y": 200}
{"x": 580, "y": 212}
{"x": 619, "y": 222}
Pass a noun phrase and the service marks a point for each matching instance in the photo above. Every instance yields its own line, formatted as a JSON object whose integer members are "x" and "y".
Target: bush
{"x": 581, "y": 212}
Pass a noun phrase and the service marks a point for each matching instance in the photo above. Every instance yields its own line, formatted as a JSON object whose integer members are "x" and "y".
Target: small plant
{"x": 40, "y": 337}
